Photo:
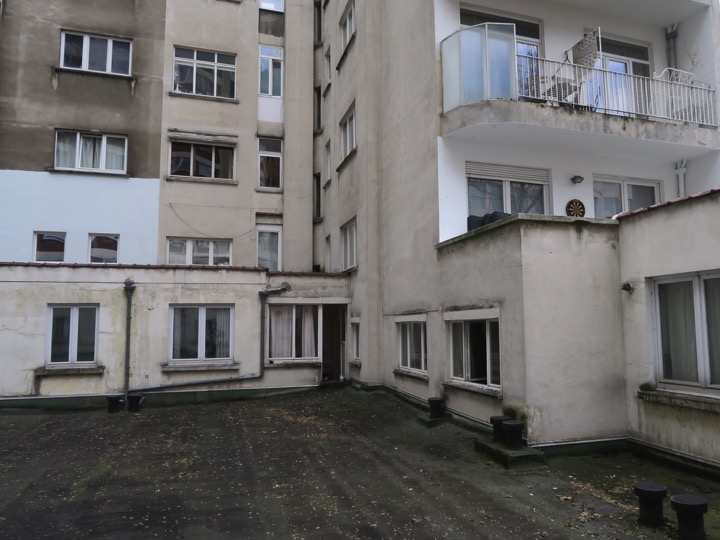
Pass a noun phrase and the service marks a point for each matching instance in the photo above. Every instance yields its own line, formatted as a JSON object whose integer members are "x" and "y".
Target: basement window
{"x": 72, "y": 334}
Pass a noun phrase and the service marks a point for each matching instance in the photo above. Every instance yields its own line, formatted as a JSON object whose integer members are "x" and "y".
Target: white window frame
{"x": 196, "y": 63}
{"x": 202, "y": 313}
{"x": 703, "y": 384}
{"x": 73, "y": 337}
{"x": 328, "y": 161}
{"x": 276, "y": 229}
{"x": 328, "y": 68}
{"x": 92, "y": 237}
{"x": 347, "y": 132}
{"x": 355, "y": 333}
{"x": 189, "y": 246}
{"x": 348, "y": 233}
{"x": 272, "y": 5}
{"x": 270, "y": 154}
{"x": 624, "y": 184}
{"x": 51, "y": 233}
{"x": 266, "y": 53}
{"x": 318, "y": 331}
{"x": 347, "y": 25}
{"x": 193, "y": 144}
{"x": 507, "y": 192}
{"x": 86, "y": 53}
{"x": 464, "y": 326}
{"x": 403, "y": 325}
{"x": 102, "y": 168}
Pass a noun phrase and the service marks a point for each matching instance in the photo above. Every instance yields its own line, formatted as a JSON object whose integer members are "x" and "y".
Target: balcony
{"x": 479, "y": 64}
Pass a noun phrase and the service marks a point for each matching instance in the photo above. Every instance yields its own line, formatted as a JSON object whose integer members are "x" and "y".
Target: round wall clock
{"x": 575, "y": 208}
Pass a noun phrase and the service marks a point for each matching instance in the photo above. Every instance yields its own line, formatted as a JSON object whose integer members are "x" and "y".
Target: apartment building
{"x": 509, "y": 204}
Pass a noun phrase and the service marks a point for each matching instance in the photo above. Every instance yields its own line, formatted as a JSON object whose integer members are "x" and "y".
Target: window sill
{"x": 346, "y": 159}
{"x": 269, "y": 96}
{"x": 350, "y": 271}
{"x": 206, "y": 98}
{"x": 271, "y": 364}
{"x": 318, "y": 131}
{"x": 689, "y": 401}
{"x": 61, "y": 69}
{"x": 317, "y": 220}
{"x": 201, "y": 180}
{"x": 344, "y": 54}
{"x": 177, "y": 367}
{"x": 261, "y": 189}
{"x": 65, "y": 370}
{"x": 93, "y": 172}
{"x": 411, "y": 374}
{"x": 474, "y": 388}
{"x": 355, "y": 363}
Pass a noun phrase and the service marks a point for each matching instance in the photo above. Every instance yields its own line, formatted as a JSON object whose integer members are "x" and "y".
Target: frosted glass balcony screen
{"x": 501, "y": 61}
{"x": 451, "y": 72}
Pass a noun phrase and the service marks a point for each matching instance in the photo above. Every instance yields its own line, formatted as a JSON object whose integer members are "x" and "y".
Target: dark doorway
{"x": 333, "y": 341}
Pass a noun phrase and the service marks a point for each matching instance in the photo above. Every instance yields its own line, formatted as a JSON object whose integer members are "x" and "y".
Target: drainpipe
{"x": 129, "y": 290}
{"x": 263, "y": 294}
{"x": 671, "y": 38}
{"x": 680, "y": 170}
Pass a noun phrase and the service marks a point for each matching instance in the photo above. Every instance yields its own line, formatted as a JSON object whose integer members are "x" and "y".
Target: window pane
{"x": 677, "y": 330}
{"x": 494, "y": 330}
{"x": 268, "y": 250}
{"x": 60, "y": 339}
{"x": 185, "y": 332}
{"x": 121, "y": 57}
{"x": 103, "y": 249}
{"x": 183, "y": 78}
{"x": 204, "y": 81}
{"x": 217, "y": 333}
{"x": 712, "y": 304}
{"x": 184, "y": 53}
{"x": 477, "y": 341}
{"x": 608, "y": 198}
{"x": 65, "y": 149}
{"x": 201, "y": 252}
{"x": 527, "y": 198}
{"x": 270, "y": 145}
{"x": 115, "y": 153}
{"x": 223, "y": 162}
{"x": 221, "y": 252}
{"x": 97, "y": 60}
{"x": 180, "y": 159}
{"x": 202, "y": 161}
{"x": 176, "y": 251}
{"x": 225, "y": 84}
{"x": 90, "y": 146}
{"x": 305, "y": 334}
{"x": 404, "y": 350}
{"x": 458, "y": 351}
{"x": 269, "y": 171}
{"x": 281, "y": 328}
{"x": 274, "y": 5}
{"x": 50, "y": 247}
{"x": 206, "y": 56}
{"x": 640, "y": 196}
{"x": 264, "y": 76}
{"x": 72, "y": 54}
{"x": 416, "y": 343}
{"x": 86, "y": 334}
{"x": 277, "y": 78}
{"x": 485, "y": 196}
{"x": 228, "y": 59}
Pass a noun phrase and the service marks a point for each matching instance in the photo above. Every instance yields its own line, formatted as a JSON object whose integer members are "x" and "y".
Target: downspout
{"x": 263, "y": 294}
{"x": 129, "y": 290}
{"x": 671, "y": 39}
{"x": 680, "y": 170}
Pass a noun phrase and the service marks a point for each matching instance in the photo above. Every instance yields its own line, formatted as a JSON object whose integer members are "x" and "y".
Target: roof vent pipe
{"x": 671, "y": 39}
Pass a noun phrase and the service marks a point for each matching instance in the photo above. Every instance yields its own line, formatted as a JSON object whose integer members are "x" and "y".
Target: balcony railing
{"x": 479, "y": 64}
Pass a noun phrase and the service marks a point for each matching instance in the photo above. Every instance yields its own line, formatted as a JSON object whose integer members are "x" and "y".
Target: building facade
{"x": 507, "y": 204}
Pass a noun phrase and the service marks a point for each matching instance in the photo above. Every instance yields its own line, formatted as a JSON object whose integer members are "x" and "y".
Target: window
{"x": 272, "y": 5}
{"x": 355, "y": 331}
{"x": 328, "y": 162}
{"x": 317, "y": 196}
{"x": 328, "y": 68}
{"x": 104, "y": 248}
{"x": 271, "y": 71}
{"x": 318, "y": 22}
{"x": 349, "y": 242}
{"x": 269, "y": 242}
{"x": 347, "y": 132}
{"x": 413, "y": 345}
{"x": 317, "y": 111}
{"x": 270, "y": 163}
{"x": 476, "y": 351}
{"x": 199, "y": 160}
{"x": 96, "y": 53}
{"x": 201, "y": 333}
{"x": 49, "y": 247}
{"x": 204, "y": 73}
{"x": 612, "y": 197}
{"x": 189, "y": 251}
{"x": 75, "y": 150}
{"x": 347, "y": 25}
{"x": 72, "y": 334}
{"x": 689, "y": 332}
{"x": 486, "y": 196}
{"x": 294, "y": 331}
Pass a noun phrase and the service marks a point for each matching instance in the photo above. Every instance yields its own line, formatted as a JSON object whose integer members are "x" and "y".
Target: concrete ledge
{"x": 68, "y": 371}
{"x": 171, "y": 368}
{"x": 522, "y": 459}
{"x": 688, "y": 401}
{"x": 429, "y": 422}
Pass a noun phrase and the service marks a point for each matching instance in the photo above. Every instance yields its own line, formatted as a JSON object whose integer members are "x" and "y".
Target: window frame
{"x": 279, "y": 57}
{"x": 624, "y": 191}
{"x": 51, "y": 233}
{"x": 328, "y": 161}
{"x": 318, "y": 334}
{"x": 348, "y": 233}
{"x": 191, "y": 177}
{"x": 93, "y": 236}
{"x": 507, "y": 184}
{"x": 102, "y": 164}
{"x": 270, "y": 154}
{"x": 704, "y": 384}
{"x": 348, "y": 138}
{"x": 355, "y": 334}
{"x": 72, "y": 361}
{"x": 403, "y": 326}
{"x": 85, "y": 62}
{"x": 201, "y": 342}
{"x": 273, "y": 229}
{"x": 189, "y": 250}
{"x": 348, "y": 27}
{"x": 467, "y": 359}
{"x": 196, "y": 63}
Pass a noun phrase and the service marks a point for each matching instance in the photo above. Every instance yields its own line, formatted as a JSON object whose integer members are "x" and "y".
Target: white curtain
{"x": 115, "y": 154}
{"x": 219, "y": 339}
{"x": 90, "y": 151}
{"x": 308, "y": 332}
{"x": 281, "y": 326}
{"x": 712, "y": 301}
{"x": 677, "y": 321}
{"x": 65, "y": 150}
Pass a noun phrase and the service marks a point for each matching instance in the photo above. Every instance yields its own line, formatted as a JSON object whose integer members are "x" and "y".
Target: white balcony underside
{"x": 653, "y": 12}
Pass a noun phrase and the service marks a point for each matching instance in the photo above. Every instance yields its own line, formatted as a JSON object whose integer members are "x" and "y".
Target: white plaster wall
{"x": 78, "y": 205}
{"x": 270, "y": 109}
{"x": 703, "y": 173}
